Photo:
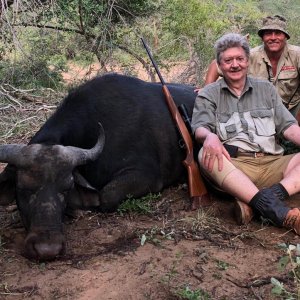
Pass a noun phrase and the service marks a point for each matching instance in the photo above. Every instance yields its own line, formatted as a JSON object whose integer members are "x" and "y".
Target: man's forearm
{"x": 212, "y": 73}
{"x": 293, "y": 134}
{"x": 201, "y": 134}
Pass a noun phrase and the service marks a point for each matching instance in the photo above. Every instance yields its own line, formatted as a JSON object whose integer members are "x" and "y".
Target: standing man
{"x": 278, "y": 61}
{"x": 246, "y": 114}
{"x": 275, "y": 60}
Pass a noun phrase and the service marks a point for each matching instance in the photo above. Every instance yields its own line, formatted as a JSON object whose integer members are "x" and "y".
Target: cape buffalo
{"x": 67, "y": 164}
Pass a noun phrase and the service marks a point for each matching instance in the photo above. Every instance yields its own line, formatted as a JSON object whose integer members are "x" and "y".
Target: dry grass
{"x": 23, "y": 111}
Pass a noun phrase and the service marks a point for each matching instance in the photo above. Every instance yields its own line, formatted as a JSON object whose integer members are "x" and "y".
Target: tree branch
{"x": 93, "y": 36}
{"x": 141, "y": 60}
{"x": 51, "y": 27}
{"x": 5, "y": 5}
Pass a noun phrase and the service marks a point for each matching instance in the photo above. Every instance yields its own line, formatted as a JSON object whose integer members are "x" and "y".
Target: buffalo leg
{"x": 134, "y": 183}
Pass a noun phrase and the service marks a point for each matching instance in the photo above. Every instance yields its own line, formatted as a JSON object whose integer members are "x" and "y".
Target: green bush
{"x": 30, "y": 75}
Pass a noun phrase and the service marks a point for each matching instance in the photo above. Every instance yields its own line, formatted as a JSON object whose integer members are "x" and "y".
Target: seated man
{"x": 246, "y": 114}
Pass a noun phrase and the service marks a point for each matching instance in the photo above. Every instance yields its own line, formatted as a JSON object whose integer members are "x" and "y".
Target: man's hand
{"x": 213, "y": 149}
{"x": 197, "y": 90}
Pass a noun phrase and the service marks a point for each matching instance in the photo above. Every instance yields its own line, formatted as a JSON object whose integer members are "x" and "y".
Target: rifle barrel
{"x": 153, "y": 62}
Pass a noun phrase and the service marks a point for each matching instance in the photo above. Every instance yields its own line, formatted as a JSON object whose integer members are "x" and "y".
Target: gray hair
{"x": 231, "y": 40}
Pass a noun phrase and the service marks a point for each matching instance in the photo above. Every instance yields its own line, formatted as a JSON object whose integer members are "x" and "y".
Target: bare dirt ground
{"x": 198, "y": 251}
{"x": 168, "y": 253}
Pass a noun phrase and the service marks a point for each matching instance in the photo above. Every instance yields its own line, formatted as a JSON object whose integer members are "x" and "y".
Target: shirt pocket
{"x": 263, "y": 122}
{"x": 227, "y": 126}
{"x": 288, "y": 80}
{"x": 288, "y": 73}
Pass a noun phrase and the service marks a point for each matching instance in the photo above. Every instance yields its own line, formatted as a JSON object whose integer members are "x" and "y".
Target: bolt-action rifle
{"x": 197, "y": 190}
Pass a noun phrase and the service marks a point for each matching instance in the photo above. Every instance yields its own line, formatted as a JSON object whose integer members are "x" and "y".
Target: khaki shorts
{"x": 262, "y": 171}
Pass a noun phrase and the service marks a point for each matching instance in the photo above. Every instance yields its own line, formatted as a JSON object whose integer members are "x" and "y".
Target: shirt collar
{"x": 248, "y": 84}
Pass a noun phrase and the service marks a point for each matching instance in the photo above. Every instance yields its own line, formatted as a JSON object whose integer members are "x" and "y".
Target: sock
{"x": 280, "y": 191}
{"x": 268, "y": 204}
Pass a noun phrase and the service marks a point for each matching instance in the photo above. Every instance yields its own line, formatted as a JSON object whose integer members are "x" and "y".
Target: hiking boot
{"x": 292, "y": 220}
{"x": 243, "y": 212}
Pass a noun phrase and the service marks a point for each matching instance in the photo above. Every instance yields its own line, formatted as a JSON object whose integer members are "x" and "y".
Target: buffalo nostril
{"x": 44, "y": 245}
{"x": 46, "y": 251}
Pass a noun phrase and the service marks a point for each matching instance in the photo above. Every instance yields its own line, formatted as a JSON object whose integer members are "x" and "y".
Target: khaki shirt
{"x": 287, "y": 79}
{"x": 250, "y": 122}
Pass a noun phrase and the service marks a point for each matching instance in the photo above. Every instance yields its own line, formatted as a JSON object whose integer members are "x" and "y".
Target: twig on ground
{"x": 7, "y": 95}
{"x": 260, "y": 281}
{"x": 255, "y": 294}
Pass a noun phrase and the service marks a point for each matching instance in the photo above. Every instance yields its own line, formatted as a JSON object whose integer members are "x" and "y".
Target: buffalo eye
{"x": 29, "y": 180}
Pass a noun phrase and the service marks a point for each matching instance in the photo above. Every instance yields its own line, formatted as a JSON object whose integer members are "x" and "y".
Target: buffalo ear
{"x": 7, "y": 185}
{"x": 83, "y": 196}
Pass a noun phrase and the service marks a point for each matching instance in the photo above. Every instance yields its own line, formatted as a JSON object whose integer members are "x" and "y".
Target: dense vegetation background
{"x": 42, "y": 38}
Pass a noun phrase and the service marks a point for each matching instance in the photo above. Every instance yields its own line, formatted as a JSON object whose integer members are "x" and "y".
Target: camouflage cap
{"x": 273, "y": 23}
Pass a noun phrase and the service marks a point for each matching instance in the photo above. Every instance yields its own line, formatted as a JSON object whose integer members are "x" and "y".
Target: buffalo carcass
{"x": 65, "y": 165}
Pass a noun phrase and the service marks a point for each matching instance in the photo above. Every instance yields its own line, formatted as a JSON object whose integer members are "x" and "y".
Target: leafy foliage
{"x": 188, "y": 294}
{"x": 39, "y": 37}
{"x": 84, "y": 26}
{"x": 291, "y": 261}
{"x": 199, "y": 23}
{"x": 34, "y": 63}
{"x": 141, "y": 206}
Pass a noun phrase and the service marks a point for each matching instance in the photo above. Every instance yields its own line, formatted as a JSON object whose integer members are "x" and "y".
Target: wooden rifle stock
{"x": 197, "y": 190}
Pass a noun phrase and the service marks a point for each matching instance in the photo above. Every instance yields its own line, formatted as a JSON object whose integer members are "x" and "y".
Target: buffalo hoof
{"x": 45, "y": 245}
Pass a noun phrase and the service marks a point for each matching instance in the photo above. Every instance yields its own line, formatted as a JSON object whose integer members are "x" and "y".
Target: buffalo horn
{"x": 80, "y": 156}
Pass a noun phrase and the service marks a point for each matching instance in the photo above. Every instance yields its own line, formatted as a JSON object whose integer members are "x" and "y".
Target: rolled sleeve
{"x": 204, "y": 112}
